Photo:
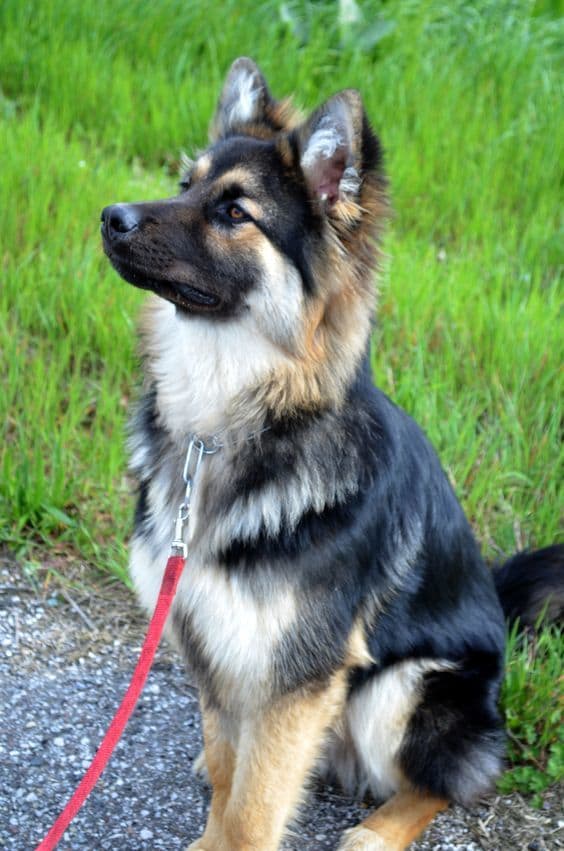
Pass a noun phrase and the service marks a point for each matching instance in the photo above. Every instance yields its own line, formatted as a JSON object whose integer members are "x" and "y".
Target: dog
{"x": 335, "y": 607}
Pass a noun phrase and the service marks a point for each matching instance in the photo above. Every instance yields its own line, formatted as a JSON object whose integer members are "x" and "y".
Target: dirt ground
{"x": 67, "y": 652}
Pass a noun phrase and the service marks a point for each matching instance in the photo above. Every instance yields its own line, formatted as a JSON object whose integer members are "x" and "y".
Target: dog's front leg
{"x": 277, "y": 749}
{"x": 220, "y": 764}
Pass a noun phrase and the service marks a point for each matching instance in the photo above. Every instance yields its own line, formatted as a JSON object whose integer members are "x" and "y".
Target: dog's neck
{"x": 200, "y": 366}
{"x": 225, "y": 377}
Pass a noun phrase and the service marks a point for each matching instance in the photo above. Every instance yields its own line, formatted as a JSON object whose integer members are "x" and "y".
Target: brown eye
{"x": 236, "y": 213}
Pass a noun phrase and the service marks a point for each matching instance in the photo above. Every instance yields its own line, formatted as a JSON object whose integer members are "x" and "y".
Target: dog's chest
{"x": 227, "y": 624}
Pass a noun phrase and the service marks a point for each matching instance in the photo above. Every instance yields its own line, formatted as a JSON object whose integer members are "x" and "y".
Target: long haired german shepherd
{"x": 335, "y": 607}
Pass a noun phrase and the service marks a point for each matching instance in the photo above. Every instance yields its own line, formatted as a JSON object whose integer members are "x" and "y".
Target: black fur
{"x": 531, "y": 586}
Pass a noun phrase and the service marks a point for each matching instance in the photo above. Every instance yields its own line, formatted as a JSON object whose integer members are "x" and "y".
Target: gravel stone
{"x": 61, "y": 682}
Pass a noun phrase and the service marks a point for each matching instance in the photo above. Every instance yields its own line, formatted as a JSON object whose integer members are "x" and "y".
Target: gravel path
{"x": 66, "y": 658}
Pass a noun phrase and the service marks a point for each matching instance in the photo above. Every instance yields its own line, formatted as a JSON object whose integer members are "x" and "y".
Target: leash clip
{"x": 178, "y": 547}
{"x": 194, "y": 456}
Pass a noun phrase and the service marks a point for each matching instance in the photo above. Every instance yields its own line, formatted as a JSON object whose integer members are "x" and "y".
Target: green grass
{"x": 534, "y": 711}
{"x": 96, "y": 101}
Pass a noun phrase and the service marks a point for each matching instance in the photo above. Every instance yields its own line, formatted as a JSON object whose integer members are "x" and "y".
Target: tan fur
{"x": 281, "y": 115}
{"x": 358, "y": 655}
{"x": 314, "y": 344}
{"x": 258, "y": 765}
{"x": 254, "y": 209}
{"x": 337, "y": 329}
{"x": 284, "y": 114}
{"x": 286, "y": 152}
{"x": 220, "y": 764}
{"x": 249, "y": 238}
{"x": 274, "y": 753}
{"x": 320, "y": 375}
{"x": 239, "y": 174}
{"x": 394, "y": 825}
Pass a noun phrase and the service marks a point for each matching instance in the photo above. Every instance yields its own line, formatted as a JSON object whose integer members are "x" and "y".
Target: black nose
{"x": 119, "y": 219}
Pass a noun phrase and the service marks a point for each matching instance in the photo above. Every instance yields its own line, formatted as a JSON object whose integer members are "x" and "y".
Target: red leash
{"x": 196, "y": 452}
{"x": 173, "y": 571}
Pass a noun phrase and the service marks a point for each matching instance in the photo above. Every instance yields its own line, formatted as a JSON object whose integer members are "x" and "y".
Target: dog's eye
{"x": 236, "y": 213}
{"x": 231, "y": 213}
{"x": 184, "y": 184}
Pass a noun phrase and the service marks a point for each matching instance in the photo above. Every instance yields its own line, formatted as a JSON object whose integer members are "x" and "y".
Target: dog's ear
{"x": 336, "y": 147}
{"x": 245, "y": 100}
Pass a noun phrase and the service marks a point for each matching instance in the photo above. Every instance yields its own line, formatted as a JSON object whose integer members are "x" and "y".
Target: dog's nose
{"x": 119, "y": 219}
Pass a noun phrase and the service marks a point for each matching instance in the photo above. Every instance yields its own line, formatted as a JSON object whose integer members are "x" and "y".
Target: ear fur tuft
{"x": 330, "y": 145}
{"x": 243, "y": 99}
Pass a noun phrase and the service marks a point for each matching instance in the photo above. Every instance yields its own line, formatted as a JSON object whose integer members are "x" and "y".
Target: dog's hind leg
{"x": 394, "y": 825}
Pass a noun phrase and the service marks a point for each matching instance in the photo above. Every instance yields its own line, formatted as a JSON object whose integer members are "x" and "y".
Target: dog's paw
{"x": 361, "y": 839}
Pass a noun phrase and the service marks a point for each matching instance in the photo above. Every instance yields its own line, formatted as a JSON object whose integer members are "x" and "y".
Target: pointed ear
{"x": 330, "y": 145}
{"x": 244, "y": 99}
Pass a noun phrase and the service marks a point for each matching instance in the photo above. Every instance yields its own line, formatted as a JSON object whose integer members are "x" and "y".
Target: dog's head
{"x": 277, "y": 218}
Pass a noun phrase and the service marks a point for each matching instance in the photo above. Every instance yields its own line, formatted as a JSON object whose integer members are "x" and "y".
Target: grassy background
{"x": 96, "y": 101}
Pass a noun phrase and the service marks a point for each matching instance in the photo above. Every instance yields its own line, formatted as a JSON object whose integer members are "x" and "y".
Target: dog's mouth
{"x": 183, "y": 295}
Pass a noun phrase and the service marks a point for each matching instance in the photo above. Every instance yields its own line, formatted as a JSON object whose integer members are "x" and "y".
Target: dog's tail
{"x": 531, "y": 586}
